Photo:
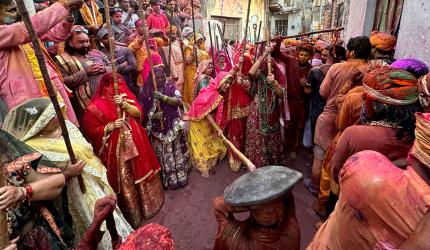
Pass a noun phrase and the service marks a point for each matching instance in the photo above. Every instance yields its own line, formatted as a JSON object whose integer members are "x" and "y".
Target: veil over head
{"x": 29, "y": 118}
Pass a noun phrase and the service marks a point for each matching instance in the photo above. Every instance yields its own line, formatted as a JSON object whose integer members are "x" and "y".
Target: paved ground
{"x": 187, "y": 212}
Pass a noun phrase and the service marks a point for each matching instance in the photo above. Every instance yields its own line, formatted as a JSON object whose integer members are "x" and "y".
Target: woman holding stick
{"x": 36, "y": 124}
{"x": 135, "y": 175}
{"x": 190, "y": 52}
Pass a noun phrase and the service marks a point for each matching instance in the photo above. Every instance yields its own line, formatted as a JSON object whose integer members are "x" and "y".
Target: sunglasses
{"x": 79, "y": 30}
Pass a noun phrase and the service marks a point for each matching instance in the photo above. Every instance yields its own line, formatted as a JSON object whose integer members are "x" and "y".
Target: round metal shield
{"x": 264, "y": 184}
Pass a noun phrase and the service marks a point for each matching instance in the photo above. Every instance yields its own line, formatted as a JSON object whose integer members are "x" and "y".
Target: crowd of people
{"x": 140, "y": 129}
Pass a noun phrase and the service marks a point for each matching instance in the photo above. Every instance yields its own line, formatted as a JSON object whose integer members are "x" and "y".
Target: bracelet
{"x": 165, "y": 98}
{"x": 29, "y": 193}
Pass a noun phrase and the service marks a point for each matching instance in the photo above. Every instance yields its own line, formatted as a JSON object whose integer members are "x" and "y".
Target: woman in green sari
{"x": 36, "y": 124}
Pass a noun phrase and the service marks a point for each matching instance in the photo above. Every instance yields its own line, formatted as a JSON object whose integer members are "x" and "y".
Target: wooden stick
{"x": 258, "y": 38}
{"x": 47, "y": 79}
{"x": 304, "y": 34}
{"x": 212, "y": 45}
{"x": 224, "y": 43}
{"x": 217, "y": 48}
{"x": 222, "y": 35}
{"x": 4, "y": 233}
{"x": 194, "y": 32}
{"x": 170, "y": 42}
{"x": 149, "y": 52}
{"x": 242, "y": 157}
{"x": 246, "y": 34}
{"x": 112, "y": 52}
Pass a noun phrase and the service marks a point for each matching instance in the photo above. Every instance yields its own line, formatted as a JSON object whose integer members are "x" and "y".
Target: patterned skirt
{"x": 174, "y": 159}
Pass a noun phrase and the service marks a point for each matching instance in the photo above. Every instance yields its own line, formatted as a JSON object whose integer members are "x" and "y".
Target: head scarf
{"x": 208, "y": 100}
{"x": 421, "y": 147}
{"x": 203, "y": 66}
{"x": 227, "y": 67}
{"x": 413, "y": 66}
{"x": 156, "y": 61}
{"x": 321, "y": 45}
{"x": 383, "y": 41}
{"x": 29, "y": 118}
{"x": 187, "y": 31}
{"x": 424, "y": 87}
{"x": 138, "y": 23}
{"x": 390, "y": 86}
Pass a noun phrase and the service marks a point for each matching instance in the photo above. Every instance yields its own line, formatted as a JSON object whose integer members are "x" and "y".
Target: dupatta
{"x": 208, "y": 100}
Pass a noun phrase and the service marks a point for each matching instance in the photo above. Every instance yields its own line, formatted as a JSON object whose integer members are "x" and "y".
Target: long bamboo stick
{"x": 304, "y": 34}
{"x": 212, "y": 45}
{"x": 170, "y": 42}
{"x": 246, "y": 34}
{"x": 242, "y": 157}
{"x": 194, "y": 32}
{"x": 142, "y": 16}
{"x": 47, "y": 80}
{"x": 4, "y": 234}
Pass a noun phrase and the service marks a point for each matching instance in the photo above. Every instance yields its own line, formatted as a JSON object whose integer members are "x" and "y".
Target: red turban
{"x": 390, "y": 86}
{"x": 383, "y": 41}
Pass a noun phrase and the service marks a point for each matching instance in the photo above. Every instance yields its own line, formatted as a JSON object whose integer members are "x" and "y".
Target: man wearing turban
{"x": 380, "y": 205}
{"x": 383, "y": 46}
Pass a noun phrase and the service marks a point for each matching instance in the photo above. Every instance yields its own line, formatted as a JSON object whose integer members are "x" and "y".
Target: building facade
{"x": 233, "y": 13}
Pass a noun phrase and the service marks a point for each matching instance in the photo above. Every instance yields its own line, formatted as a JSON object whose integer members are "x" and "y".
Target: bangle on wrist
{"x": 29, "y": 192}
{"x": 165, "y": 98}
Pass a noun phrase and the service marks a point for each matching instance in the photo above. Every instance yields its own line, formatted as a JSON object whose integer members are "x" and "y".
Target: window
{"x": 232, "y": 26}
{"x": 281, "y": 27}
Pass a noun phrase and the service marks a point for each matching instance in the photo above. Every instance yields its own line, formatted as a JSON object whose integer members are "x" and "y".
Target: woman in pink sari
{"x": 132, "y": 166}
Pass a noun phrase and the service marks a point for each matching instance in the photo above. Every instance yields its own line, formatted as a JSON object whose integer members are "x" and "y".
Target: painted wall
{"x": 238, "y": 9}
{"x": 359, "y": 18}
{"x": 414, "y": 36}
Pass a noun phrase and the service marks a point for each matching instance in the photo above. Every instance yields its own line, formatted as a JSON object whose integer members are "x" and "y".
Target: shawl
{"x": 208, "y": 100}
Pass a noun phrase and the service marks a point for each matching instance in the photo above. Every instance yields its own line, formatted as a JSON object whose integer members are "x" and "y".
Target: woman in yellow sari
{"x": 191, "y": 68}
{"x": 36, "y": 124}
{"x": 205, "y": 145}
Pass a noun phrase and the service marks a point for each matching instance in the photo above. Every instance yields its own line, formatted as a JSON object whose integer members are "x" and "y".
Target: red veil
{"x": 100, "y": 112}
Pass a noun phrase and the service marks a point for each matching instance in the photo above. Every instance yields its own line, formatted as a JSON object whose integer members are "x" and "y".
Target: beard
{"x": 81, "y": 51}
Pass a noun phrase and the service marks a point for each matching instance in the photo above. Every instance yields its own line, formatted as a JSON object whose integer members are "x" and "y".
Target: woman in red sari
{"x": 132, "y": 166}
{"x": 237, "y": 103}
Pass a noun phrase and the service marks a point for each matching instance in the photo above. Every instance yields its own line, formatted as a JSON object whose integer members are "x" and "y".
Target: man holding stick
{"x": 21, "y": 77}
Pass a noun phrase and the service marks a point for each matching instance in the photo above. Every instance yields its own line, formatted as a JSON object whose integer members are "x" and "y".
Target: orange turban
{"x": 383, "y": 41}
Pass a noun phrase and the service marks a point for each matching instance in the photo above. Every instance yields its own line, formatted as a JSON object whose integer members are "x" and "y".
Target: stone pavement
{"x": 187, "y": 212}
